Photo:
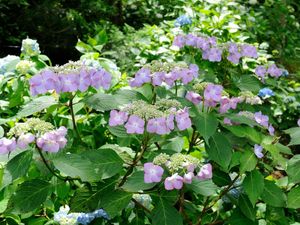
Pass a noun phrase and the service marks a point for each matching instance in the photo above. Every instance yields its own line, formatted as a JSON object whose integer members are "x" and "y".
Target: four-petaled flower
{"x": 174, "y": 182}
{"x": 135, "y": 125}
{"x": 117, "y": 118}
{"x": 152, "y": 173}
{"x": 258, "y": 151}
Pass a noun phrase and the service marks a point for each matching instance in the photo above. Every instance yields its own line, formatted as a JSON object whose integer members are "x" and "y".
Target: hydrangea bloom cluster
{"x": 265, "y": 93}
{"x": 23, "y": 134}
{"x": 4, "y": 62}
{"x": 24, "y": 66}
{"x": 63, "y": 217}
{"x": 214, "y": 95}
{"x": 158, "y": 118}
{"x": 212, "y": 52}
{"x": 158, "y": 73}
{"x": 53, "y": 141}
{"x": 30, "y": 47}
{"x": 272, "y": 70}
{"x": 70, "y": 77}
{"x": 182, "y": 20}
{"x": 181, "y": 169}
{"x": 258, "y": 117}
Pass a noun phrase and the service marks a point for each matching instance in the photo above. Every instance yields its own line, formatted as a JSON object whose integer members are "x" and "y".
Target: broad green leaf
{"x": 293, "y": 198}
{"x": 248, "y": 83}
{"x": 202, "y": 187}
{"x": 165, "y": 214}
{"x": 295, "y": 135}
{"x": 77, "y": 166}
{"x": 170, "y": 196}
{"x": 174, "y": 144}
{"x": 18, "y": 165}
{"x": 246, "y": 207}
{"x": 276, "y": 215}
{"x": 273, "y": 195}
{"x": 253, "y": 185}
{"x": 102, "y": 102}
{"x": 106, "y": 161}
{"x": 114, "y": 202}
{"x": 248, "y": 161}
{"x": 245, "y": 131}
{"x": 238, "y": 218}
{"x": 221, "y": 178}
{"x": 118, "y": 131}
{"x": 127, "y": 96}
{"x": 219, "y": 150}
{"x": 36, "y": 105}
{"x": 30, "y": 195}
{"x": 87, "y": 200}
{"x": 136, "y": 183}
{"x": 206, "y": 124}
{"x": 293, "y": 170}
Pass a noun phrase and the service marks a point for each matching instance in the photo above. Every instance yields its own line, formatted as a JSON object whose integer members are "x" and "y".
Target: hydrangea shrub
{"x": 184, "y": 141}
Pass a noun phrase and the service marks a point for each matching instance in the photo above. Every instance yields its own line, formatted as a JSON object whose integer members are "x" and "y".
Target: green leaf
{"x": 206, "y": 124}
{"x": 1, "y": 132}
{"x": 118, "y": 131}
{"x": 295, "y": 135}
{"x": 253, "y": 185}
{"x": 36, "y": 105}
{"x": 165, "y": 214}
{"x": 174, "y": 144}
{"x": 221, "y": 178}
{"x": 136, "y": 183}
{"x": 293, "y": 170}
{"x": 219, "y": 150}
{"x": 248, "y": 161}
{"x": 202, "y": 187}
{"x": 127, "y": 96}
{"x": 114, "y": 202}
{"x": 30, "y": 195}
{"x": 273, "y": 195}
{"x": 87, "y": 200}
{"x": 102, "y": 102}
{"x": 19, "y": 165}
{"x": 238, "y": 218}
{"x": 248, "y": 83}
{"x": 83, "y": 47}
{"x": 77, "y": 166}
{"x": 245, "y": 131}
{"x": 246, "y": 207}
{"x": 293, "y": 198}
{"x": 106, "y": 161}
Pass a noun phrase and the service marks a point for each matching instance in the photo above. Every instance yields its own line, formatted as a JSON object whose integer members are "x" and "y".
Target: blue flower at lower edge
{"x": 265, "y": 93}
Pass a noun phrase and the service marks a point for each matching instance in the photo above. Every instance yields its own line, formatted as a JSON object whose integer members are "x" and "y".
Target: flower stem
{"x": 135, "y": 161}
{"x": 73, "y": 117}
{"x": 207, "y": 207}
{"x": 48, "y": 166}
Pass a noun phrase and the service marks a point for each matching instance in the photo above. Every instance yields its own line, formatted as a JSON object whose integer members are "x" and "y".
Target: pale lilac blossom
{"x": 152, "y": 173}
{"x": 193, "y": 97}
{"x": 135, "y": 125}
{"x": 205, "y": 172}
{"x": 117, "y": 118}
{"x": 258, "y": 151}
{"x": 173, "y": 182}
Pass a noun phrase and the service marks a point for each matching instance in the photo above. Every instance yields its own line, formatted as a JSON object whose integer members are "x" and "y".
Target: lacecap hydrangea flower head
{"x": 46, "y": 137}
{"x": 159, "y": 73}
{"x": 178, "y": 168}
{"x": 158, "y": 118}
{"x": 30, "y": 47}
{"x": 71, "y": 77}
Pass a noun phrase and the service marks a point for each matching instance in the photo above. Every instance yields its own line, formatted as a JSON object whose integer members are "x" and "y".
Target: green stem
{"x": 135, "y": 161}
{"x": 48, "y": 166}
{"x": 224, "y": 192}
{"x": 73, "y": 118}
